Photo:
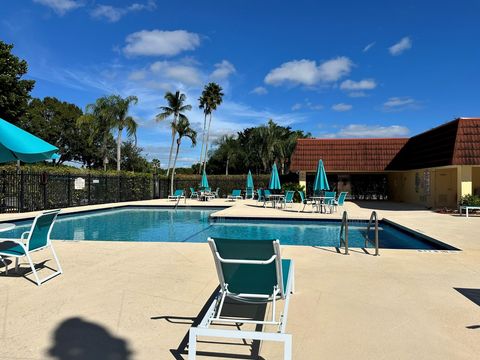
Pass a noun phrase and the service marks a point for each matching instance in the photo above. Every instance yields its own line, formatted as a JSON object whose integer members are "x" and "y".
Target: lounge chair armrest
{"x": 24, "y": 235}
{"x": 240, "y": 261}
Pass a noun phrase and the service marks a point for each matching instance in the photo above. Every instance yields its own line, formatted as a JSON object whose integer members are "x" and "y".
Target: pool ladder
{"x": 344, "y": 232}
{"x": 373, "y": 220}
{"x": 178, "y": 200}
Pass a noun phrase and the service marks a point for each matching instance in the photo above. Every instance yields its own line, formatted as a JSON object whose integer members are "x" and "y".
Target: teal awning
{"x": 274, "y": 179}
{"x": 204, "y": 183}
{"x": 321, "y": 182}
{"x": 17, "y": 144}
{"x": 249, "y": 180}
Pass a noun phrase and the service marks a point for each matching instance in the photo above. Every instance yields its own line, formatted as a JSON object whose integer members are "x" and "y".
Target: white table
{"x": 320, "y": 201}
{"x": 275, "y": 199}
{"x": 6, "y": 227}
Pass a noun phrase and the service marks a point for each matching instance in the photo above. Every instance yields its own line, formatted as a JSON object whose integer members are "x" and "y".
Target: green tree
{"x": 175, "y": 107}
{"x": 119, "y": 107}
{"x": 183, "y": 129}
{"x": 210, "y": 99}
{"x": 14, "y": 92}
{"x": 132, "y": 158}
{"x": 229, "y": 149}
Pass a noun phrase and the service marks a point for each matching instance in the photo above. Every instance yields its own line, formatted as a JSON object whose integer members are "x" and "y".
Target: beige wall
{"x": 476, "y": 180}
{"x": 432, "y": 188}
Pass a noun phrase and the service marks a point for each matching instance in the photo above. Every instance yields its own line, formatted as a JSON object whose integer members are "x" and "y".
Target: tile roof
{"x": 454, "y": 143}
{"x": 354, "y": 155}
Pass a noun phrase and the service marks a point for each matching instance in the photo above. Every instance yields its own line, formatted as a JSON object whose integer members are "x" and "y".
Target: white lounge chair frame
{"x": 177, "y": 197}
{"x": 24, "y": 243}
{"x": 234, "y": 197}
{"x": 213, "y": 314}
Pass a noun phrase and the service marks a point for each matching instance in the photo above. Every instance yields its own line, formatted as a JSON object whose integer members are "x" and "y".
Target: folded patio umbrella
{"x": 274, "y": 179}
{"x": 321, "y": 182}
{"x": 204, "y": 183}
{"x": 249, "y": 180}
{"x": 17, "y": 144}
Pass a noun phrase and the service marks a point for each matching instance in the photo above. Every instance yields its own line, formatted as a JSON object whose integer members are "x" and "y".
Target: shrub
{"x": 470, "y": 200}
{"x": 295, "y": 187}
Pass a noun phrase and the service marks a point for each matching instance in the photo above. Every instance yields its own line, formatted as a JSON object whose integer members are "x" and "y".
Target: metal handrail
{"x": 374, "y": 218}
{"x": 178, "y": 200}
{"x": 344, "y": 232}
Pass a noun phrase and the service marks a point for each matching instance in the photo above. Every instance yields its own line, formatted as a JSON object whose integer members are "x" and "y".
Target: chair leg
{"x": 32, "y": 266}
{"x": 16, "y": 264}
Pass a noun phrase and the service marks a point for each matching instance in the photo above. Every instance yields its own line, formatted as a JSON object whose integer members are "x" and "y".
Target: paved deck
{"x": 120, "y": 300}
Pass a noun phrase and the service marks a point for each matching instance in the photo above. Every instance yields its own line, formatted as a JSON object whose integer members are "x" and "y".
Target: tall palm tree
{"x": 212, "y": 97}
{"x": 203, "y": 104}
{"x": 183, "y": 129}
{"x": 230, "y": 150}
{"x": 101, "y": 119}
{"x": 120, "y": 107}
{"x": 176, "y": 108}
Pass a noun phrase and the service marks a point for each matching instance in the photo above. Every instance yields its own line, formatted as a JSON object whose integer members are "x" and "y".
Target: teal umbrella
{"x": 204, "y": 183}
{"x": 321, "y": 182}
{"x": 249, "y": 180}
{"x": 17, "y": 144}
{"x": 274, "y": 179}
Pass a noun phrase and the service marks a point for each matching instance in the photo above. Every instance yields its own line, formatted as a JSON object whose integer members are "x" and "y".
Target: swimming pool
{"x": 195, "y": 225}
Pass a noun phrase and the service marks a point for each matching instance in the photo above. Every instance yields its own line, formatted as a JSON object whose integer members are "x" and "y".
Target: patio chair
{"x": 305, "y": 201}
{"x": 216, "y": 193}
{"x": 235, "y": 195}
{"x": 288, "y": 199}
{"x": 340, "y": 200}
{"x": 260, "y": 195}
{"x": 249, "y": 193}
{"x": 38, "y": 238}
{"x": 266, "y": 197}
{"x": 330, "y": 202}
{"x": 177, "y": 195}
{"x": 252, "y": 272}
{"x": 193, "y": 193}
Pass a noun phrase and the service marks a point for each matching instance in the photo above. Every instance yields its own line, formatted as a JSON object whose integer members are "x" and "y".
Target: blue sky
{"x": 334, "y": 68}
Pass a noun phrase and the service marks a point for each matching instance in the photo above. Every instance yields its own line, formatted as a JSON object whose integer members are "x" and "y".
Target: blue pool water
{"x": 195, "y": 225}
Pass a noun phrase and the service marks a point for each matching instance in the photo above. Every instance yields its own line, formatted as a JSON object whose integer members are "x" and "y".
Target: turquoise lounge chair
{"x": 305, "y": 201}
{"x": 249, "y": 193}
{"x": 193, "y": 193}
{"x": 341, "y": 200}
{"x": 266, "y": 197}
{"x": 249, "y": 271}
{"x": 38, "y": 238}
{"x": 288, "y": 199}
{"x": 235, "y": 195}
{"x": 177, "y": 195}
{"x": 260, "y": 195}
{"x": 329, "y": 200}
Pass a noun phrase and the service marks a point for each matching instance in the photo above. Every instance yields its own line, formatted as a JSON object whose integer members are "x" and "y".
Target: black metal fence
{"x": 22, "y": 191}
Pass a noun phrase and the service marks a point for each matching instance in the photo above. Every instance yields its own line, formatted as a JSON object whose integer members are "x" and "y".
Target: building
{"x": 434, "y": 168}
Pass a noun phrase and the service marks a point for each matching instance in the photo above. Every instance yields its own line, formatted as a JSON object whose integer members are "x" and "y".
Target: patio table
{"x": 275, "y": 199}
{"x": 205, "y": 196}
{"x": 319, "y": 201}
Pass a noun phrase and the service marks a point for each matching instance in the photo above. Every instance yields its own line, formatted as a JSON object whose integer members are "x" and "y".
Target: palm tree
{"x": 203, "y": 104}
{"x": 101, "y": 119}
{"x": 229, "y": 147}
{"x": 176, "y": 108}
{"x": 183, "y": 129}
{"x": 119, "y": 107}
{"x": 211, "y": 98}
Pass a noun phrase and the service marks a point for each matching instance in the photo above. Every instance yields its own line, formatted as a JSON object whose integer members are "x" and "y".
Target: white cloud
{"x": 158, "y": 42}
{"x": 222, "y": 70}
{"x": 357, "y": 94}
{"x": 186, "y": 74}
{"x": 369, "y": 131}
{"x": 259, "y": 90}
{"x": 307, "y": 72}
{"x": 398, "y": 48}
{"x": 306, "y": 105}
{"x": 341, "y": 107}
{"x": 61, "y": 7}
{"x": 365, "y": 84}
{"x": 369, "y": 46}
{"x": 137, "y": 75}
{"x": 400, "y": 103}
{"x": 113, "y": 14}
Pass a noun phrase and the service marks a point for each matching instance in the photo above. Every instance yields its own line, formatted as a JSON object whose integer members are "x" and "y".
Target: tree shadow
{"x": 230, "y": 308}
{"x": 77, "y": 339}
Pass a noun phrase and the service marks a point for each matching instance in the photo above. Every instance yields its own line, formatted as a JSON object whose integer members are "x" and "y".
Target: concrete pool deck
{"x": 137, "y": 300}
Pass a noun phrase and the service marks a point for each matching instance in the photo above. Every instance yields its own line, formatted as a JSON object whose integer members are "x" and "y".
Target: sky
{"x": 337, "y": 69}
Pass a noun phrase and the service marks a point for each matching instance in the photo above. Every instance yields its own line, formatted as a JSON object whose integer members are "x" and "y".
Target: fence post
{"x": 21, "y": 194}
{"x": 69, "y": 192}
{"x": 89, "y": 181}
{"x": 44, "y": 186}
